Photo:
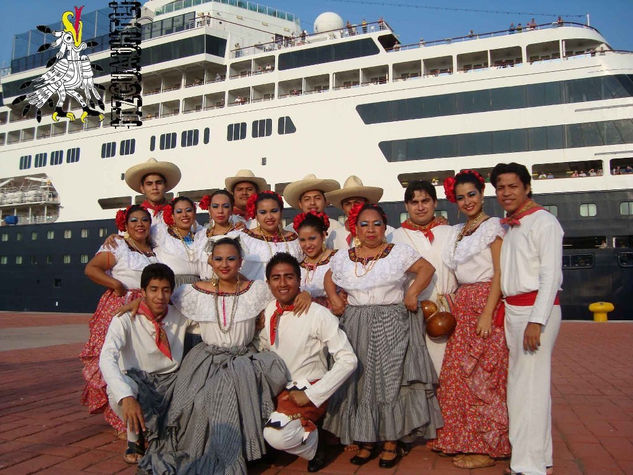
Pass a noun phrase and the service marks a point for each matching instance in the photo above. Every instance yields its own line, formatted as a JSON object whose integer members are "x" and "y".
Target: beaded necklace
{"x": 211, "y": 230}
{"x": 471, "y": 227}
{"x": 312, "y": 267}
{"x": 369, "y": 264}
{"x": 187, "y": 242}
{"x": 265, "y": 238}
{"x": 224, "y": 328}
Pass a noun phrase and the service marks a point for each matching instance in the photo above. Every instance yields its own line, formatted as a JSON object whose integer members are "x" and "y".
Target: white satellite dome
{"x": 328, "y": 21}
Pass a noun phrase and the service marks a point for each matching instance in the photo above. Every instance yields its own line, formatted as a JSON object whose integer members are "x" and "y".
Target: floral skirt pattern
{"x": 472, "y": 392}
{"x": 94, "y": 394}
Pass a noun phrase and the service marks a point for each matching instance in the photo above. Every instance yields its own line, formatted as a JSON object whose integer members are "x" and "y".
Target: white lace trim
{"x": 471, "y": 245}
{"x": 200, "y": 306}
{"x": 387, "y": 271}
{"x": 258, "y": 250}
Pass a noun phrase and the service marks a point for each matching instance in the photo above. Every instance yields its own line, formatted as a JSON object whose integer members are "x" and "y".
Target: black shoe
{"x": 317, "y": 462}
{"x": 356, "y": 460}
{"x": 382, "y": 463}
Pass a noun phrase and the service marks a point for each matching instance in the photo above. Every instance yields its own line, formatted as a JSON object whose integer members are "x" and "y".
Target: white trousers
{"x": 436, "y": 348}
{"x": 118, "y": 410}
{"x": 290, "y": 439}
{"x": 529, "y": 392}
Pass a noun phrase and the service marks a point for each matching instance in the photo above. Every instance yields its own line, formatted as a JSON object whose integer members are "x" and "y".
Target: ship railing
{"x": 240, "y": 101}
{"x": 304, "y": 38}
{"x": 217, "y": 105}
{"x": 491, "y": 34}
{"x": 317, "y": 91}
{"x": 269, "y": 97}
{"x": 194, "y": 109}
{"x": 217, "y": 78}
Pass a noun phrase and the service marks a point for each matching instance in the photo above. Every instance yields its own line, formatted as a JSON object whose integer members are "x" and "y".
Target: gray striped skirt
{"x": 391, "y": 395}
{"x": 215, "y": 412}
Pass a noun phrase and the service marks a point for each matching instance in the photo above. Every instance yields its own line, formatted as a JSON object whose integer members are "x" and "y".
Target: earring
{"x": 323, "y": 246}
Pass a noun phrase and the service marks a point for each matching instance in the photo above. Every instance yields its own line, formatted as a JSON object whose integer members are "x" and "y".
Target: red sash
{"x": 308, "y": 414}
{"x": 527, "y": 299}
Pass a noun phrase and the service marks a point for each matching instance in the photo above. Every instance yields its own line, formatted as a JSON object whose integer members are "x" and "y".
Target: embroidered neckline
{"x": 289, "y": 238}
{"x": 364, "y": 260}
{"x": 320, "y": 263}
{"x": 243, "y": 290}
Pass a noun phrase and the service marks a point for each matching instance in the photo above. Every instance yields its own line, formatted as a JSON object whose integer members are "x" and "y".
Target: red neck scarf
{"x": 239, "y": 211}
{"x": 274, "y": 319}
{"x": 514, "y": 219}
{"x": 426, "y": 229}
{"x": 154, "y": 208}
{"x": 161, "y": 337}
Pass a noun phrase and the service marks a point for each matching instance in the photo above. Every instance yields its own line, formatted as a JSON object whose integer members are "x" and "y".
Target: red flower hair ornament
{"x": 302, "y": 216}
{"x": 352, "y": 218}
{"x": 121, "y": 218}
{"x": 251, "y": 210}
{"x": 168, "y": 215}
{"x": 449, "y": 183}
{"x": 205, "y": 202}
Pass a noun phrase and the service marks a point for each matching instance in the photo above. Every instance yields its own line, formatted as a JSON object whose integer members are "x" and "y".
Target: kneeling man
{"x": 302, "y": 343}
{"x": 141, "y": 354}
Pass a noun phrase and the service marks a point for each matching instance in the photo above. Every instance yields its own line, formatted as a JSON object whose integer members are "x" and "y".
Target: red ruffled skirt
{"x": 94, "y": 394}
{"x": 472, "y": 391}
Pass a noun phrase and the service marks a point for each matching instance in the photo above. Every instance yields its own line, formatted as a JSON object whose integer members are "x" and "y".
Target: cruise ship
{"x": 231, "y": 84}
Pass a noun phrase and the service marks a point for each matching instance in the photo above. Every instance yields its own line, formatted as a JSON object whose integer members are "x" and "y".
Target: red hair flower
{"x": 449, "y": 189}
{"x": 476, "y": 174}
{"x": 168, "y": 215}
{"x": 205, "y": 202}
{"x": 302, "y": 216}
{"x": 352, "y": 218}
{"x": 121, "y": 218}
{"x": 251, "y": 210}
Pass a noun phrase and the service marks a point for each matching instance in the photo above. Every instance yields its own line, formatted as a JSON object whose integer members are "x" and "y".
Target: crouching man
{"x": 141, "y": 354}
{"x": 303, "y": 343}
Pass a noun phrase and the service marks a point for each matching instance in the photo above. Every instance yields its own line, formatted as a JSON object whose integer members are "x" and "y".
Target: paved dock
{"x": 44, "y": 429}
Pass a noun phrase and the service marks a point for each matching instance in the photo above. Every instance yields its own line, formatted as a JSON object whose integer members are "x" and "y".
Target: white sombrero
{"x": 245, "y": 175}
{"x": 168, "y": 170}
{"x": 293, "y": 192}
{"x": 352, "y": 187}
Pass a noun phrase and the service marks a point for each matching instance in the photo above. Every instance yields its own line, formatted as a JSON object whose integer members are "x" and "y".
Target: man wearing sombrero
{"x": 308, "y": 195}
{"x": 242, "y": 186}
{"x": 353, "y": 192}
{"x": 153, "y": 179}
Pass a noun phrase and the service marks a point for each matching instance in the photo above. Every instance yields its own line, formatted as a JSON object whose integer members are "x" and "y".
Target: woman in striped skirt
{"x": 390, "y": 397}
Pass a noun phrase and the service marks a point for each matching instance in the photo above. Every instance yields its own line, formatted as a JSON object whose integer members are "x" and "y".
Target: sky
{"x": 411, "y": 19}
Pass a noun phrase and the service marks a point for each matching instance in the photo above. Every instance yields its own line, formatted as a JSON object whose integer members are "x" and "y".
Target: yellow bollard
{"x": 600, "y": 310}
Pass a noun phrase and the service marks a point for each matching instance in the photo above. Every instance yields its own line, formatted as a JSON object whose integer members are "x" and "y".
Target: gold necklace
{"x": 211, "y": 230}
{"x": 369, "y": 265}
{"x": 312, "y": 267}
{"x": 190, "y": 252}
{"x": 132, "y": 242}
{"x": 270, "y": 248}
{"x": 227, "y": 327}
{"x": 469, "y": 228}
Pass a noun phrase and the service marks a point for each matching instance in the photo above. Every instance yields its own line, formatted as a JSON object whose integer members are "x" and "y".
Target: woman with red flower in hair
{"x": 268, "y": 237}
{"x": 472, "y": 390}
{"x": 119, "y": 270}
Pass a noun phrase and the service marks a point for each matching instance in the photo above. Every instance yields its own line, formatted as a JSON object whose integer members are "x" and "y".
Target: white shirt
{"x": 257, "y": 253}
{"x": 443, "y": 281}
{"x": 531, "y": 259}
{"x": 131, "y": 344}
{"x": 182, "y": 258}
{"x": 384, "y": 284}
{"x": 471, "y": 258}
{"x": 200, "y": 305}
{"x": 312, "y": 280}
{"x": 129, "y": 263}
{"x": 303, "y": 342}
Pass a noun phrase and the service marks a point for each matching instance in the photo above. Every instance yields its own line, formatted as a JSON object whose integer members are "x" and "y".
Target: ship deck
{"x": 44, "y": 429}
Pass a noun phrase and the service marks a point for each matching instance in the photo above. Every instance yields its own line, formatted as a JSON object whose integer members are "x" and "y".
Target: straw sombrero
{"x": 134, "y": 174}
{"x": 293, "y": 192}
{"x": 245, "y": 175}
{"x": 352, "y": 187}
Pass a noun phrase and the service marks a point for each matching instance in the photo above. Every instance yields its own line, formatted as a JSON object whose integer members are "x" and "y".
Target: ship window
{"x": 435, "y": 177}
{"x": 207, "y": 135}
{"x": 84, "y": 233}
{"x": 57, "y": 283}
{"x": 40, "y": 160}
{"x": 108, "y": 149}
{"x": 262, "y": 128}
{"x": 623, "y": 241}
{"x": 189, "y": 138}
{"x": 168, "y": 141}
{"x": 103, "y": 232}
{"x": 285, "y": 126}
{"x": 68, "y": 234}
{"x": 5, "y": 237}
{"x": 127, "y": 147}
{"x": 50, "y": 235}
{"x": 588, "y": 210}
{"x": 236, "y": 131}
{"x": 621, "y": 166}
{"x": 18, "y": 236}
{"x": 66, "y": 259}
{"x": 326, "y": 54}
{"x": 588, "y": 168}
{"x": 25, "y": 162}
{"x": 625, "y": 259}
{"x": 152, "y": 143}
{"x": 33, "y": 236}
{"x": 49, "y": 259}
{"x": 553, "y": 209}
{"x": 579, "y": 261}
{"x": 626, "y": 208}
{"x": 3, "y": 260}
{"x": 441, "y": 212}
{"x": 84, "y": 259}
{"x": 18, "y": 260}
{"x": 280, "y": 187}
{"x": 33, "y": 259}
{"x": 72, "y": 155}
{"x": 57, "y": 157}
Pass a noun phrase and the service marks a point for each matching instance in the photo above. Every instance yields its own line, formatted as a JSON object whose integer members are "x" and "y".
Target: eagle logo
{"x": 69, "y": 74}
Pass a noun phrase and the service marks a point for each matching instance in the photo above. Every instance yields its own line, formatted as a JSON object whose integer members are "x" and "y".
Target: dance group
{"x": 214, "y": 343}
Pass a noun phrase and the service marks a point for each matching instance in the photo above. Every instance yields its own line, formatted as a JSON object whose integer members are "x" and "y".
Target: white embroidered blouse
{"x": 258, "y": 251}
{"x": 129, "y": 263}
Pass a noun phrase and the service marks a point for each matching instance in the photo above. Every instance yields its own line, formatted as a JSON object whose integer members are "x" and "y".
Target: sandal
{"x": 472, "y": 461}
{"x": 134, "y": 452}
{"x": 371, "y": 448}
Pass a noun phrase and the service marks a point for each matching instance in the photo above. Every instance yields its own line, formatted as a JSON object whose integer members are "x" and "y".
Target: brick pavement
{"x": 44, "y": 429}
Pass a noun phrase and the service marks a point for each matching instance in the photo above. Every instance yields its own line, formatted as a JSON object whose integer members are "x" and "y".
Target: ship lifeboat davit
{"x": 328, "y": 21}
